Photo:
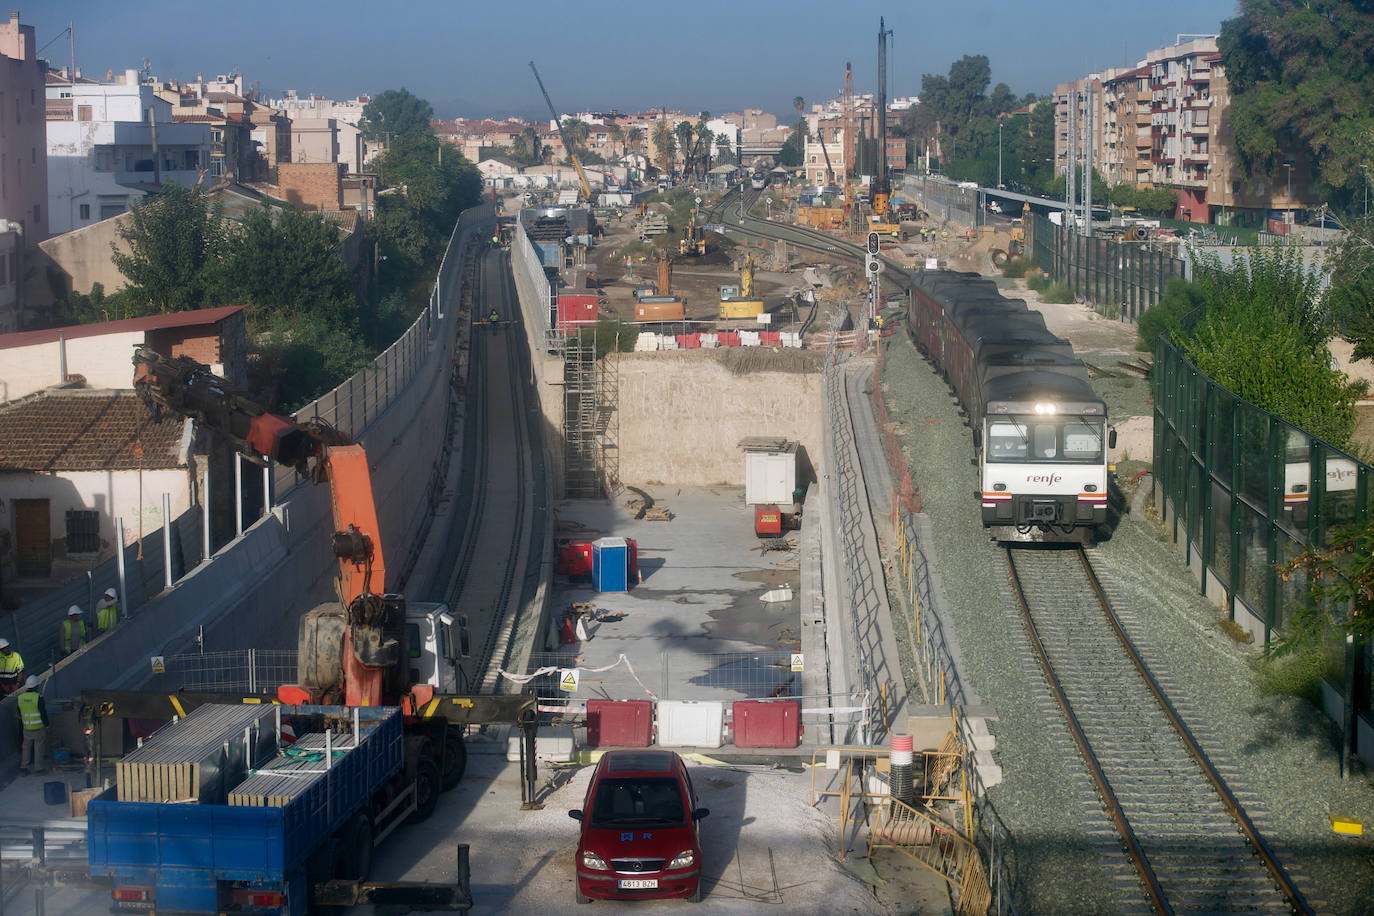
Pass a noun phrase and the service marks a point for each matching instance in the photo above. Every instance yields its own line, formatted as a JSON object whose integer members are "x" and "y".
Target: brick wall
{"x": 311, "y": 184}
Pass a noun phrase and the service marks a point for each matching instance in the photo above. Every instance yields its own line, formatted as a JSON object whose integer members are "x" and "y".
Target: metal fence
{"x": 248, "y": 671}
{"x": 1244, "y": 492}
{"x": 1103, "y": 271}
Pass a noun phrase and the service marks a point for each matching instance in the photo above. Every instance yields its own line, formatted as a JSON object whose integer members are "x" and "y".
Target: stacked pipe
{"x": 902, "y": 826}
{"x": 901, "y": 755}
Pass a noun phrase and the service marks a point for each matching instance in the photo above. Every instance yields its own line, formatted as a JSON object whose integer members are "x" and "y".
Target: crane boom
{"x": 581, "y": 175}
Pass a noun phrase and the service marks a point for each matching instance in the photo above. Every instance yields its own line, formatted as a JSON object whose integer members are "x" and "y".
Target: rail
{"x": 1055, "y": 674}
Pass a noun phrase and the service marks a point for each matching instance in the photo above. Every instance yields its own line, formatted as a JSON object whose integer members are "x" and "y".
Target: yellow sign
{"x": 158, "y": 666}
{"x": 567, "y": 680}
{"x": 797, "y": 661}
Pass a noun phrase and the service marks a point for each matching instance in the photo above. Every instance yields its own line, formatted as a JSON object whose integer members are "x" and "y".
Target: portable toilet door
{"x": 610, "y": 565}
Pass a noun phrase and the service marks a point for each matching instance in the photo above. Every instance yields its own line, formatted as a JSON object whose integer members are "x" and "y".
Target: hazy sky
{"x": 471, "y": 58}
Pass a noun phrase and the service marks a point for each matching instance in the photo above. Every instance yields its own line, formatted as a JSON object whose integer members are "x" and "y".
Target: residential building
{"x": 1124, "y": 152}
{"x": 826, "y": 140}
{"x": 314, "y": 140}
{"x": 101, "y": 139}
{"x": 24, "y": 211}
{"x": 349, "y": 146}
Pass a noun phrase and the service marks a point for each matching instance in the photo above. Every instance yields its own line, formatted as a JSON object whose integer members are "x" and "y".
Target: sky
{"x": 470, "y": 58}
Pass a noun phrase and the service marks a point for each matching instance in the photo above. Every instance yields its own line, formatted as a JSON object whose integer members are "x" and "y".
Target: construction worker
{"x": 73, "y": 630}
{"x": 493, "y": 317}
{"x": 11, "y": 667}
{"x": 33, "y": 715}
{"x": 107, "y": 611}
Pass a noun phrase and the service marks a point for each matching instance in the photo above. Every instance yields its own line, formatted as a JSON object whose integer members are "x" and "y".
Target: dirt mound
{"x": 747, "y": 360}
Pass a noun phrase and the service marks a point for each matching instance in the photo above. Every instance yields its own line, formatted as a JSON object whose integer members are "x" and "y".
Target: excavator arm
{"x": 369, "y": 621}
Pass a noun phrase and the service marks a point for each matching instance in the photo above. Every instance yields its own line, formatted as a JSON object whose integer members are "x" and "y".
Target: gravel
{"x": 1278, "y": 752}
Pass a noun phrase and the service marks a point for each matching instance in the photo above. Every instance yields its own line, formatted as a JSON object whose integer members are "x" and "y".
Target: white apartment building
{"x": 350, "y": 148}
{"x": 101, "y": 142}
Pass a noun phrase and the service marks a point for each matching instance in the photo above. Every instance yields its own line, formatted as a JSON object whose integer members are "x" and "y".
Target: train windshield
{"x": 1063, "y": 439}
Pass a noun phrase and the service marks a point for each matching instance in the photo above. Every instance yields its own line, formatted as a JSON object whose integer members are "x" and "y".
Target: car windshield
{"x": 627, "y": 800}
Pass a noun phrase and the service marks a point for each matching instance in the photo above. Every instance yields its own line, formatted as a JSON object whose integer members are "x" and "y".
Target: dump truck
{"x": 266, "y": 809}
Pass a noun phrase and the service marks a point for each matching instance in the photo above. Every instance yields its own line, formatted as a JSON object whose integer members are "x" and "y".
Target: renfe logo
{"x": 1050, "y": 479}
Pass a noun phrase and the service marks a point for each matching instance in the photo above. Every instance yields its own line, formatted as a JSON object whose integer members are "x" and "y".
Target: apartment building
{"x": 23, "y": 166}
{"x": 350, "y": 147}
{"x": 111, "y": 143}
{"x": 1124, "y": 113}
{"x": 826, "y": 140}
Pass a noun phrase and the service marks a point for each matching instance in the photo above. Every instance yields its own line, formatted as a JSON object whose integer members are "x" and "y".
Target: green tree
{"x": 1181, "y": 307}
{"x": 665, "y": 145}
{"x": 616, "y": 134}
{"x": 393, "y": 113}
{"x": 634, "y": 139}
{"x": 175, "y": 239}
{"x": 1264, "y": 338}
{"x": 684, "y": 132}
{"x": 576, "y": 132}
{"x": 791, "y": 154}
{"x": 1301, "y": 76}
{"x": 1340, "y": 579}
{"x": 285, "y": 263}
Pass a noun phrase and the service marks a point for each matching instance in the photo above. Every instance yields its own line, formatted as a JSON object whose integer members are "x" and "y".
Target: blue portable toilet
{"x": 611, "y": 565}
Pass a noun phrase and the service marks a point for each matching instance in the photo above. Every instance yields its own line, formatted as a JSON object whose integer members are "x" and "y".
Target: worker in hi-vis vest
{"x": 107, "y": 611}
{"x": 73, "y": 630}
{"x": 33, "y": 715}
{"x": 11, "y": 667}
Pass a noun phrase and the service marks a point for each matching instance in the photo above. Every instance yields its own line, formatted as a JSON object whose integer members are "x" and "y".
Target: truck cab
{"x": 437, "y": 643}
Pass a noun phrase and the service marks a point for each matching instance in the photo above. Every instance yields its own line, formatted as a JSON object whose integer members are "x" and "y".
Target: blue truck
{"x": 306, "y": 849}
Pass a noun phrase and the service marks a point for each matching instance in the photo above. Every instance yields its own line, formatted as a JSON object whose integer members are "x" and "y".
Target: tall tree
{"x": 176, "y": 240}
{"x": 634, "y": 138}
{"x": 395, "y": 112}
{"x": 1301, "y": 76}
{"x": 616, "y": 134}
{"x": 684, "y": 132}
{"x": 577, "y": 132}
{"x": 665, "y": 144}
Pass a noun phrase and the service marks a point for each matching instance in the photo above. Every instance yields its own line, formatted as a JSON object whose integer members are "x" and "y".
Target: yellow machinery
{"x": 741, "y": 303}
{"x": 821, "y": 217}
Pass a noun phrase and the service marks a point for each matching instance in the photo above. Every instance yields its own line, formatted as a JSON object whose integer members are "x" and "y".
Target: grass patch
{"x": 1037, "y": 280}
{"x": 1235, "y": 630}
{"x": 1057, "y": 293}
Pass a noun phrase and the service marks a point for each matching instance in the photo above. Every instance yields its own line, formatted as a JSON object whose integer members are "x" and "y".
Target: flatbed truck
{"x": 312, "y": 849}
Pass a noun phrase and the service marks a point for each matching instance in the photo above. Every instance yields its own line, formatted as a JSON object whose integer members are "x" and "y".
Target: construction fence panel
{"x": 248, "y": 671}
{"x": 1122, "y": 277}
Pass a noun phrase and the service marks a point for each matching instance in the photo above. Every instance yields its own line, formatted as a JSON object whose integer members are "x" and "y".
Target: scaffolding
{"x": 591, "y": 419}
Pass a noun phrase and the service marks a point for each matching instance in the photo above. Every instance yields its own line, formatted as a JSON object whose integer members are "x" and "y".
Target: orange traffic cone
{"x": 566, "y": 634}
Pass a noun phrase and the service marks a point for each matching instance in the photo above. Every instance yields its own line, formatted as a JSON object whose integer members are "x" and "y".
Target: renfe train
{"x": 1039, "y": 430}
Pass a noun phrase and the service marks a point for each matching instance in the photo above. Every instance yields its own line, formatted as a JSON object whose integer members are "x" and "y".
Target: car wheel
{"x": 696, "y": 894}
{"x": 427, "y": 787}
{"x": 455, "y": 758}
{"x": 577, "y": 893}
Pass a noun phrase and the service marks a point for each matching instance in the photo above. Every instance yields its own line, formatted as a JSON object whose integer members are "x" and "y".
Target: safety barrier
{"x": 649, "y": 341}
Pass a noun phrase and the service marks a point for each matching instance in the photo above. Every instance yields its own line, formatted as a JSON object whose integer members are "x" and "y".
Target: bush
{"x": 1018, "y": 267}
{"x": 1178, "y": 310}
{"x": 1037, "y": 280}
{"x": 1057, "y": 292}
{"x": 1297, "y": 674}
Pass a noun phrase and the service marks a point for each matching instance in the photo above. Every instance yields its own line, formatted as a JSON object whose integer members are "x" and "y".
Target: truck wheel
{"x": 427, "y": 787}
{"x": 455, "y": 758}
{"x": 355, "y": 849}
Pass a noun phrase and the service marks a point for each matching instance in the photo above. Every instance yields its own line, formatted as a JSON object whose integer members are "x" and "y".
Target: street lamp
{"x": 1289, "y": 165}
{"x": 999, "y": 155}
{"x": 1364, "y": 168}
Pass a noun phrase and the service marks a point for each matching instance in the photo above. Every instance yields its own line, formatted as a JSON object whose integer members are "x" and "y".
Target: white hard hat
{"x": 111, "y": 593}
{"x": 31, "y": 682}
{"x": 74, "y": 611}
{"x": 4, "y": 643}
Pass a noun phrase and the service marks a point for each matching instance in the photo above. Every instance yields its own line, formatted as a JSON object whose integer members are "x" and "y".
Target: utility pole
{"x": 1088, "y": 167}
{"x": 999, "y": 155}
{"x": 883, "y": 191}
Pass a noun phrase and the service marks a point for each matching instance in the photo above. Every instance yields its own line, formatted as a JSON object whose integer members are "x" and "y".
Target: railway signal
{"x": 872, "y": 244}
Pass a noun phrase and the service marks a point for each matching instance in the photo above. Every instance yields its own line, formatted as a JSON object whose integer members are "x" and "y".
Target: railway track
{"x": 1190, "y": 844}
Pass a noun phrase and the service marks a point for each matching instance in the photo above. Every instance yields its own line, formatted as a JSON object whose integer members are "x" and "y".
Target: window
{"x": 85, "y": 211}
{"x": 104, "y": 159}
{"x": 83, "y": 531}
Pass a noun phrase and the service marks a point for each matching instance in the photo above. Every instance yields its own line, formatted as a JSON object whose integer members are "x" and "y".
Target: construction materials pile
{"x": 292, "y": 772}
{"x": 199, "y": 757}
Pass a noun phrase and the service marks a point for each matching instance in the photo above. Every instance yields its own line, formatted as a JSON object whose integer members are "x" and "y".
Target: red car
{"x": 639, "y": 829}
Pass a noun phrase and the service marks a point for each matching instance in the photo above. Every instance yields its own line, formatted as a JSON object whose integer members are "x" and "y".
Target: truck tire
{"x": 428, "y": 785}
{"x": 355, "y": 849}
{"x": 455, "y": 758}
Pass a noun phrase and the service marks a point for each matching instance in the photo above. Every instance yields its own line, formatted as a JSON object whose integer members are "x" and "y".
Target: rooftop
{"x": 86, "y": 430}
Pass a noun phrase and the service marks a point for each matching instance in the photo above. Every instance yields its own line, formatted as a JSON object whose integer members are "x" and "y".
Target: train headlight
{"x": 1044, "y": 408}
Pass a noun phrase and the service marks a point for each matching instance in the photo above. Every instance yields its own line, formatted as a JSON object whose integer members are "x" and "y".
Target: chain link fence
{"x": 248, "y": 671}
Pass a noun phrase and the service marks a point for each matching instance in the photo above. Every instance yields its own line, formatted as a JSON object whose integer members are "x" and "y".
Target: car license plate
{"x": 638, "y": 884}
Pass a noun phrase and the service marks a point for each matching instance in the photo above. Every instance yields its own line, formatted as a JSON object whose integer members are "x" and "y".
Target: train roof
{"x": 981, "y": 327}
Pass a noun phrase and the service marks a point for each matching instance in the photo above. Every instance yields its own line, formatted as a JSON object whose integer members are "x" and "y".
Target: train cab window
{"x": 1007, "y": 441}
{"x": 1082, "y": 441}
{"x": 1045, "y": 443}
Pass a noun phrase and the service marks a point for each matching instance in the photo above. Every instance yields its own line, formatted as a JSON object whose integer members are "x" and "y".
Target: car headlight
{"x": 593, "y": 861}
{"x": 685, "y": 859}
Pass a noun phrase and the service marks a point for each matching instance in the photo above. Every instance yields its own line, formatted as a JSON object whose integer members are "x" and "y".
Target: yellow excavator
{"x": 741, "y": 302}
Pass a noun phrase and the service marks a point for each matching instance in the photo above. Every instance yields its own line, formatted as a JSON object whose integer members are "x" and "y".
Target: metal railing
{"x": 250, "y": 671}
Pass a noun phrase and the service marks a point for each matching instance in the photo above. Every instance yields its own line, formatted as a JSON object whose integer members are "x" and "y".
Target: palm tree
{"x": 664, "y": 143}
{"x": 576, "y": 133}
{"x": 531, "y": 138}
{"x": 616, "y": 134}
{"x": 684, "y": 143}
{"x": 635, "y": 139}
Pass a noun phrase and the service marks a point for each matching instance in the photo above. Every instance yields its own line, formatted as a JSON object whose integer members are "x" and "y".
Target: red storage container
{"x": 689, "y": 341}
{"x": 620, "y": 723}
{"x": 576, "y": 310}
{"x": 766, "y": 723}
{"x": 728, "y": 338}
{"x": 770, "y": 338}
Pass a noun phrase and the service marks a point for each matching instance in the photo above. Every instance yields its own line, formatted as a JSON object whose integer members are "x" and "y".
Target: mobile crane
{"x": 581, "y": 175}
{"x": 367, "y": 649}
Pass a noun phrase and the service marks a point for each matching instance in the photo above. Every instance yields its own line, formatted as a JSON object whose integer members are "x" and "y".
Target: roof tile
{"x": 86, "y": 430}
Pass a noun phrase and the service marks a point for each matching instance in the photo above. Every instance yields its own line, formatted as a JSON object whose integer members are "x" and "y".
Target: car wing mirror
{"x": 977, "y": 438}
{"x": 699, "y": 813}
{"x": 576, "y": 814}
{"x": 1111, "y": 437}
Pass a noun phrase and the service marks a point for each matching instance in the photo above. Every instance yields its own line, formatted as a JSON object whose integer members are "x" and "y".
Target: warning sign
{"x": 567, "y": 680}
{"x": 797, "y": 662}
{"x": 158, "y": 666}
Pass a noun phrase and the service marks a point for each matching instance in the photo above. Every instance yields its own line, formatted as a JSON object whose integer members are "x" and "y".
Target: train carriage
{"x": 1039, "y": 429}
